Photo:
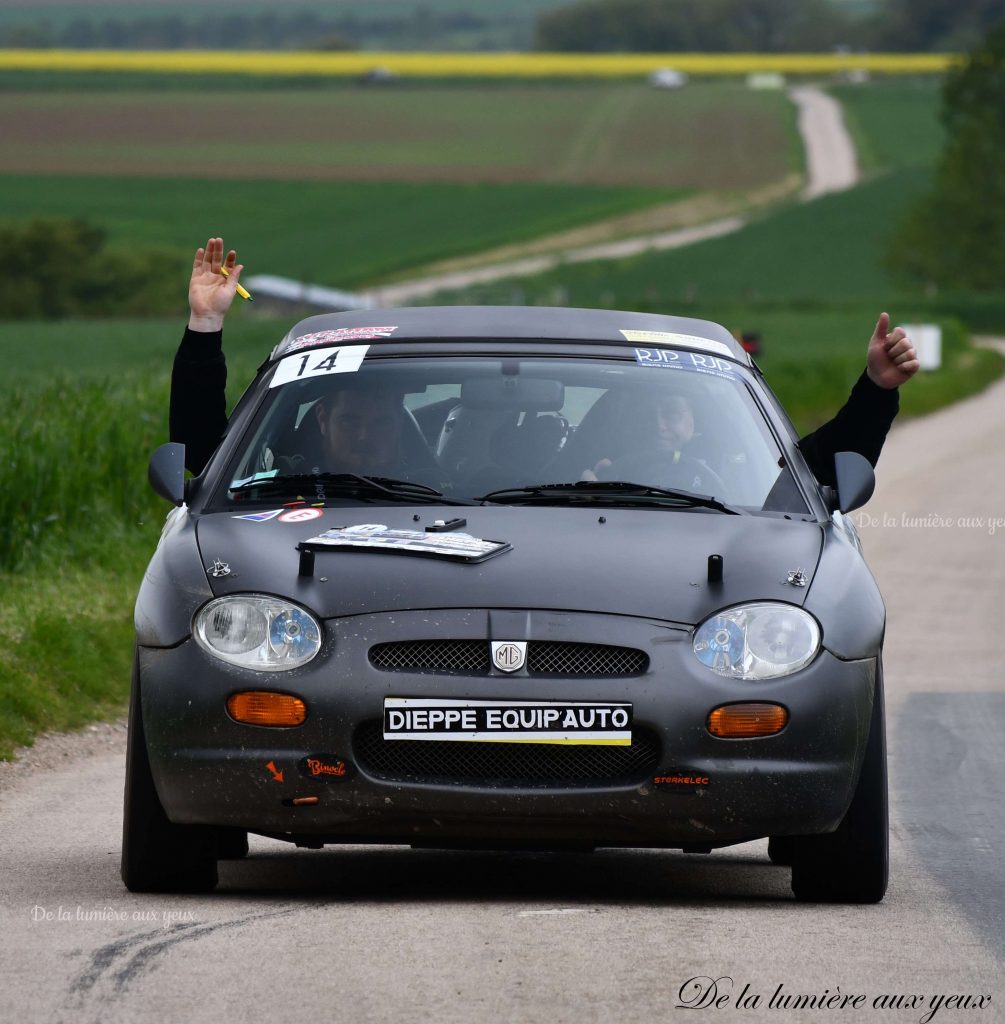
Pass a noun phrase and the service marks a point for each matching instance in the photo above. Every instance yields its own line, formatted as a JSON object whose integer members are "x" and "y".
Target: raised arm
{"x": 198, "y": 407}
{"x": 862, "y": 423}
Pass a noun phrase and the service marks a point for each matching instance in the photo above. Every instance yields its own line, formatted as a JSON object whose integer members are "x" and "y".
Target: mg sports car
{"x": 511, "y": 578}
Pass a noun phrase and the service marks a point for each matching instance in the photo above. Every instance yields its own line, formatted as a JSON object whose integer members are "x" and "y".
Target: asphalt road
{"x": 386, "y": 934}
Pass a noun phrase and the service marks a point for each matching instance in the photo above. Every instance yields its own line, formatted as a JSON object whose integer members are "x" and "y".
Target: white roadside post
{"x": 927, "y": 340}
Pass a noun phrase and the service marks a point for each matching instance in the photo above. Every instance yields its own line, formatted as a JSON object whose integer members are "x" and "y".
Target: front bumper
{"x": 209, "y": 769}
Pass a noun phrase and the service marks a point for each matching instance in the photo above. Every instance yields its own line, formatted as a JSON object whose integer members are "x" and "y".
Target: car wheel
{"x": 157, "y": 855}
{"x": 851, "y": 865}
{"x": 781, "y": 850}
{"x": 233, "y": 844}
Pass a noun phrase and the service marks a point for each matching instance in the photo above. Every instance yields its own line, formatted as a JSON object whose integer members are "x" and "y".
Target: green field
{"x": 573, "y": 134}
{"x": 894, "y": 125}
{"x": 347, "y": 187}
{"x": 828, "y": 252}
{"x": 343, "y": 234}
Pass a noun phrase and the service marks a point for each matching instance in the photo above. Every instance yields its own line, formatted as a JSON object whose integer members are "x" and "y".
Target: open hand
{"x": 209, "y": 292}
{"x": 891, "y": 359}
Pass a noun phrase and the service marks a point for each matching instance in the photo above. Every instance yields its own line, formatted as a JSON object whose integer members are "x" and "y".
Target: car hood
{"x": 651, "y": 563}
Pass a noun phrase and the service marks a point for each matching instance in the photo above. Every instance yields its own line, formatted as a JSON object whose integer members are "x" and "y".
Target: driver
{"x": 674, "y": 428}
{"x": 360, "y": 431}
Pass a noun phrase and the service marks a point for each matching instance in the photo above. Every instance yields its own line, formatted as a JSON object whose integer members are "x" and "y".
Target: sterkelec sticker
{"x": 671, "y": 359}
{"x": 502, "y": 721}
{"x": 341, "y": 335}
{"x": 301, "y": 515}
{"x": 680, "y": 778}
{"x": 692, "y": 340}
{"x": 260, "y": 517}
{"x": 318, "y": 362}
{"x": 325, "y": 768}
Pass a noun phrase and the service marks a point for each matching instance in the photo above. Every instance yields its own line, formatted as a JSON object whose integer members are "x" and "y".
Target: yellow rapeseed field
{"x": 470, "y": 65}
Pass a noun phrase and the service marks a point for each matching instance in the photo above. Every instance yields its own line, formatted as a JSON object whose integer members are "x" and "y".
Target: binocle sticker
{"x": 325, "y": 768}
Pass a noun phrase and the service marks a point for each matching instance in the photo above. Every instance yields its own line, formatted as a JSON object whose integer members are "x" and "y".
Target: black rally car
{"x": 476, "y": 576}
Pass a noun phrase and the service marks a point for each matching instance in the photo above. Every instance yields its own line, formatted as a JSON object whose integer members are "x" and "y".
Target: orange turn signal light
{"x": 745, "y": 721}
{"x": 264, "y": 707}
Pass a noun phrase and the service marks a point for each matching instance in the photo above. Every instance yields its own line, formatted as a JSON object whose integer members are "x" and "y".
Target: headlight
{"x": 757, "y": 641}
{"x": 256, "y": 631}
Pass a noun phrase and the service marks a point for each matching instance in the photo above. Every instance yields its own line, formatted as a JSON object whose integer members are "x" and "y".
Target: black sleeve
{"x": 861, "y": 425}
{"x": 198, "y": 410}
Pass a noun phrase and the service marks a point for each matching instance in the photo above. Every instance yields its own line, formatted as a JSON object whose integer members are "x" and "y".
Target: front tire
{"x": 158, "y": 855}
{"x": 851, "y": 865}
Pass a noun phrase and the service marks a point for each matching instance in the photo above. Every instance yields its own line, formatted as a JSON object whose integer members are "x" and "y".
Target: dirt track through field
{"x": 831, "y": 166}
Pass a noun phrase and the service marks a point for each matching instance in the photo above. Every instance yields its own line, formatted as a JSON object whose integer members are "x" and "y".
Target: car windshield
{"x": 410, "y": 428}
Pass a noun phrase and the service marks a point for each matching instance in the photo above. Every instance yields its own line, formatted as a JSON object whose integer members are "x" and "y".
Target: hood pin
{"x": 218, "y": 569}
{"x": 797, "y": 578}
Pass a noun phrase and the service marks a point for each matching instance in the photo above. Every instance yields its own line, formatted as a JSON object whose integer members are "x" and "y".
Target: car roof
{"x": 510, "y": 323}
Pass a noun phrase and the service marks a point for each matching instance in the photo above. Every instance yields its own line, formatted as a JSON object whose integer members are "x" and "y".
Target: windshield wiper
{"x": 353, "y": 484}
{"x": 621, "y": 492}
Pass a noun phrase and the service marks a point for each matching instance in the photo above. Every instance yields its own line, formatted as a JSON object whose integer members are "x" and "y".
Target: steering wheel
{"x": 663, "y": 468}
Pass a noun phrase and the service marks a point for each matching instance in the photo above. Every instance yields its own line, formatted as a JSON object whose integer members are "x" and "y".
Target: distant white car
{"x": 668, "y": 78}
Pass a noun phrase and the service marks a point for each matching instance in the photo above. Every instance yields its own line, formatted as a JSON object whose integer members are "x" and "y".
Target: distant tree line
{"x": 273, "y": 30}
{"x": 764, "y": 26}
{"x": 954, "y": 237}
{"x": 55, "y": 268}
{"x": 583, "y": 26}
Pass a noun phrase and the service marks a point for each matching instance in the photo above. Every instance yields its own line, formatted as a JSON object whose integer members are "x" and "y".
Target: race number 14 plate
{"x": 508, "y": 721}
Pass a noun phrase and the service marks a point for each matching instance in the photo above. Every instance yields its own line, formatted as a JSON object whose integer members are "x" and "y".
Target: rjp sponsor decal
{"x": 696, "y": 362}
{"x": 501, "y": 721}
{"x": 509, "y": 655}
{"x": 318, "y": 362}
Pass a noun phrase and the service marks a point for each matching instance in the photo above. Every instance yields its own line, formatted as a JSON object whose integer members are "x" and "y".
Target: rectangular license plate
{"x": 508, "y": 721}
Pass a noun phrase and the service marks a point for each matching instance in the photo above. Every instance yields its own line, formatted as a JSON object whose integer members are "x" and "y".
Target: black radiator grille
{"x": 468, "y": 656}
{"x": 544, "y": 657}
{"x": 502, "y": 765}
{"x": 554, "y": 658}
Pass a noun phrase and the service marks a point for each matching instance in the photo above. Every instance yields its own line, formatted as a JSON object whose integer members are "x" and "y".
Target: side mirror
{"x": 855, "y": 480}
{"x": 166, "y": 472}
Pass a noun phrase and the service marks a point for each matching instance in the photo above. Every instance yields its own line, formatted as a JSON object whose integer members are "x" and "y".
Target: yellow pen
{"x": 243, "y": 292}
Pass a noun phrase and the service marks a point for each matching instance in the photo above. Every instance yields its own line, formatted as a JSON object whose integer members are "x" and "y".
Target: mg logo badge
{"x": 509, "y": 655}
